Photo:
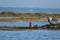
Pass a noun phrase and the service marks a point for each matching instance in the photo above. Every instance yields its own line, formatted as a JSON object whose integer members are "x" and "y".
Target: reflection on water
{"x": 21, "y": 23}
{"x": 30, "y": 35}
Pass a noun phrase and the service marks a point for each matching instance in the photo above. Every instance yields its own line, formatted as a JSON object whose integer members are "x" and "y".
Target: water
{"x": 30, "y": 35}
{"x": 24, "y": 23}
{"x": 46, "y": 10}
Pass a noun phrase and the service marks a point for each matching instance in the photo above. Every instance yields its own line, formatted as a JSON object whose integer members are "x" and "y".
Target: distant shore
{"x": 14, "y": 17}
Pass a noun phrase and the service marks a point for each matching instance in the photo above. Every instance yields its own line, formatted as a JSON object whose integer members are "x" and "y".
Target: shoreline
{"x": 24, "y": 28}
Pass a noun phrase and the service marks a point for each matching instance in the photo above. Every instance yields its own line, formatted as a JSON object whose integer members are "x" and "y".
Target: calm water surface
{"x": 30, "y": 35}
{"x": 21, "y": 23}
